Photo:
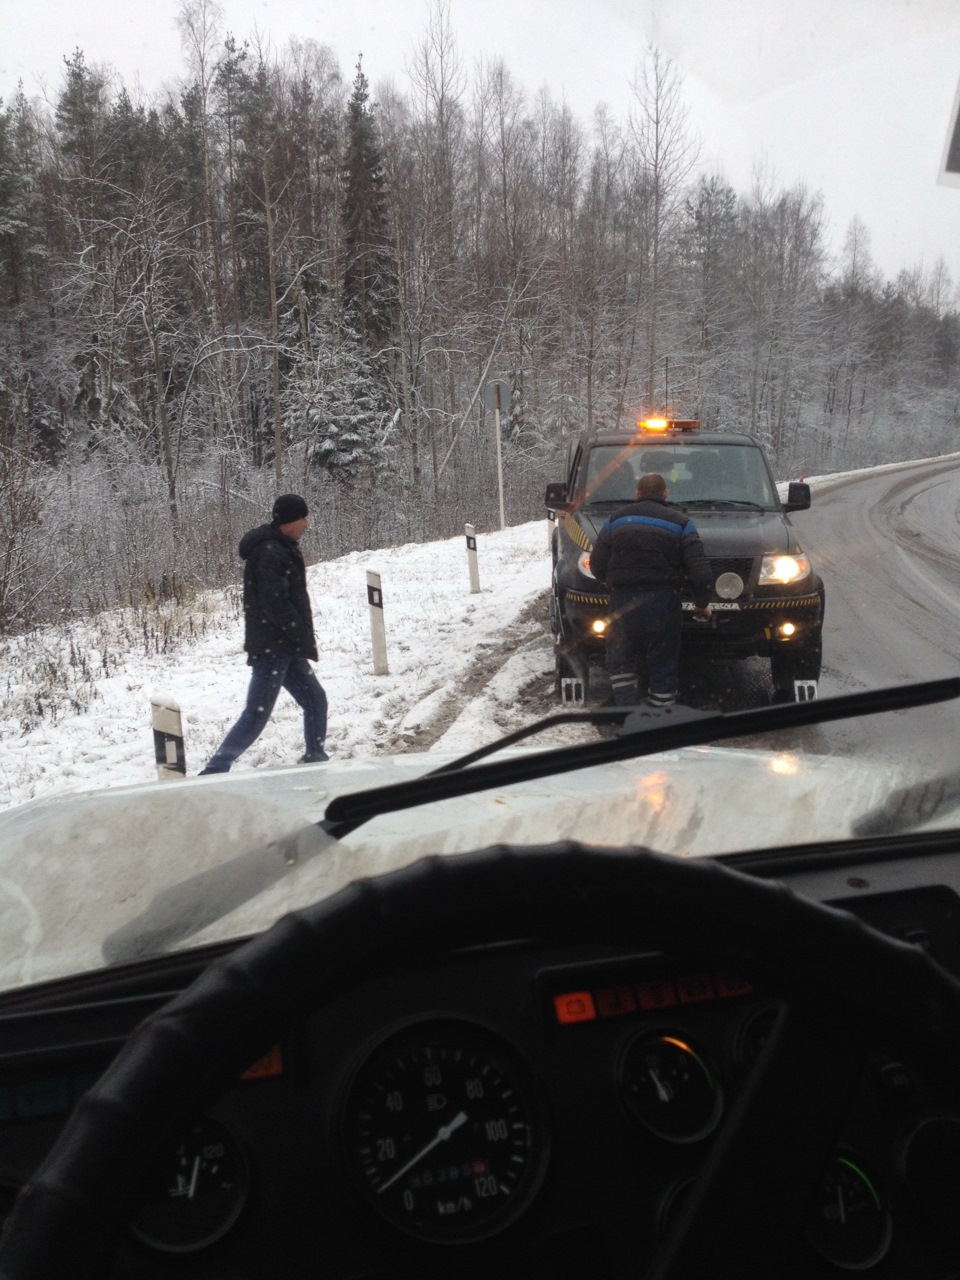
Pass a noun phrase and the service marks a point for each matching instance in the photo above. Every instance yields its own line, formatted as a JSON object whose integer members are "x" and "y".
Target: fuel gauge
{"x": 671, "y": 1087}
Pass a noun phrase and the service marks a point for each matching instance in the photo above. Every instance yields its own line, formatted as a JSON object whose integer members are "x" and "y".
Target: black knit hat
{"x": 289, "y": 507}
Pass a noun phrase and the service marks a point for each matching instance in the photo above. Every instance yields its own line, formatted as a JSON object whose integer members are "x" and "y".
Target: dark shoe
{"x": 317, "y": 759}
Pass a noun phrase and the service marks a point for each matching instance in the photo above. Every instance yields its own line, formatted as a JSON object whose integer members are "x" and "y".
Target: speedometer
{"x": 441, "y": 1132}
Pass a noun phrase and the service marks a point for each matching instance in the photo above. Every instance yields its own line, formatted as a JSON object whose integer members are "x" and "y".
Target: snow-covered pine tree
{"x": 369, "y": 279}
{"x": 338, "y": 403}
{"x": 338, "y": 411}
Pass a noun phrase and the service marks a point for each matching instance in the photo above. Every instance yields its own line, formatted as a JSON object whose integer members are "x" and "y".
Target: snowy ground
{"x": 458, "y": 666}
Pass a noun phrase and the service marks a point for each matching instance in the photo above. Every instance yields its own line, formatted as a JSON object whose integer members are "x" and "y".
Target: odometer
{"x": 441, "y": 1132}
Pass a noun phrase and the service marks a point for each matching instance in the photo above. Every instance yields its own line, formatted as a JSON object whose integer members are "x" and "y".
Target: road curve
{"x": 887, "y": 544}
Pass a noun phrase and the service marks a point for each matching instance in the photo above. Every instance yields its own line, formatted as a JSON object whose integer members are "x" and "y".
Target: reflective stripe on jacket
{"x": 651, "y": 544}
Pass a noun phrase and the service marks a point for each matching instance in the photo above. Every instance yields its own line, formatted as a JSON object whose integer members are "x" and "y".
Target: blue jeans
{"x": 644, "y": 636}
{"x": 268, "y": 676}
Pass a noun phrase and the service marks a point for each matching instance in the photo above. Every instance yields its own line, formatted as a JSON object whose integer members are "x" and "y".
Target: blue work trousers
{"x": 643, "y": 645}
{"x": 268, "y": 676}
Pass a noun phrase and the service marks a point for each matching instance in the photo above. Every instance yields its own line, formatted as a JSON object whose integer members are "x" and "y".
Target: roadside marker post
{"x": 496, "y": 397}
{"x": 378, "y": 633}
{"x": 472, "y": 558}
{"x": 168, "y": 739}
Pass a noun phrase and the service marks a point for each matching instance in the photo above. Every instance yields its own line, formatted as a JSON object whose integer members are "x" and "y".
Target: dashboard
{"x": 516, "y": 1109}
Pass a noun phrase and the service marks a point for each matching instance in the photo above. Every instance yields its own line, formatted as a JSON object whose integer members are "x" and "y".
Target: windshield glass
{"x": 407, "y": 308}
{"x": 695, "y": 472}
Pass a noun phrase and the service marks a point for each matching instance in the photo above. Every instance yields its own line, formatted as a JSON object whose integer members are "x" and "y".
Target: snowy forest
{"x": 267, "y": 279}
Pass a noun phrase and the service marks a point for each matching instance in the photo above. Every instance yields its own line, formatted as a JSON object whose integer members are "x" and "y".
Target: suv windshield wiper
{"x": 642, "y": 732}
{"x": 724, "y": 502}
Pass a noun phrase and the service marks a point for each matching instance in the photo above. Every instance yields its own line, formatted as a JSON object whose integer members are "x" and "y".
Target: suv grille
{"x": 743, "y": 566}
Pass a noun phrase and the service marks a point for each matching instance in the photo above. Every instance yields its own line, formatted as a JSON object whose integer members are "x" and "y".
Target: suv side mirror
{"x": 557, "y": 496}
{"x": 798, "y": 496}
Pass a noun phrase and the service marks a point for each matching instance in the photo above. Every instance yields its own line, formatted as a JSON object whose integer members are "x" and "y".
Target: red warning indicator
{"x": 575, "y": 1006}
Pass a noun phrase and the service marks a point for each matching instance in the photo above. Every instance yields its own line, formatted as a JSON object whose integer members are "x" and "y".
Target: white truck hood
{"x": 95, "y": 878}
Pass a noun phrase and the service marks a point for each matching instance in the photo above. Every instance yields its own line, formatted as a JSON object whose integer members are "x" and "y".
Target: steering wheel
{"x": 842, "y": 982}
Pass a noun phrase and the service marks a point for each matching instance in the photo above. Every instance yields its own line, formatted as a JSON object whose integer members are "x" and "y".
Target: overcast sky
{"x": 853, "y": 97}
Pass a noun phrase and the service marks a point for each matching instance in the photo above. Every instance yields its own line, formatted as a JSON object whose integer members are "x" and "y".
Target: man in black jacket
{"x": 643, "y": 554}
{"x": 278, "y": 634}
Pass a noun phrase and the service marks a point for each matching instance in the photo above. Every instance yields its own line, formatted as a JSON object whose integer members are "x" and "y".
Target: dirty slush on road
{"x": 511, "y": 681}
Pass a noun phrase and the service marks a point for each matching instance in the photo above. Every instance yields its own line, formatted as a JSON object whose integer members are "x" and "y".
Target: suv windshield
{"x": 693, "y": 472}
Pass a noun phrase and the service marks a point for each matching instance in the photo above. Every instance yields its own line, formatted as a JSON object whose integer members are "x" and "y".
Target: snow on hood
{"x": 95, "y": 878}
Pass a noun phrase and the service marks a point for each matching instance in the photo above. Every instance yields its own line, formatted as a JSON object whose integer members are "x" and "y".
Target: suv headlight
{"x": 583, "y": 564}
{"x": 783, "y": 569}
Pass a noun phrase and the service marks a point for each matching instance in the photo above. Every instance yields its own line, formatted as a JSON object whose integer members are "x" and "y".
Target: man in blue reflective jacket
{"x": 643, "y": 554}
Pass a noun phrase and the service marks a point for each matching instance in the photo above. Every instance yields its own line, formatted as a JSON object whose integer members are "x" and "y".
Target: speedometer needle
{"x": 442, "y": 1134}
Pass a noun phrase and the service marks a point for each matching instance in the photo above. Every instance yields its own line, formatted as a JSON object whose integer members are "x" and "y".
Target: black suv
{"x": 766, "y": 598}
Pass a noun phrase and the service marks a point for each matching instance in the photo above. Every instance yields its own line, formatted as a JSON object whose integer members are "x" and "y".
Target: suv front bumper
{"x": 738, "y": 628}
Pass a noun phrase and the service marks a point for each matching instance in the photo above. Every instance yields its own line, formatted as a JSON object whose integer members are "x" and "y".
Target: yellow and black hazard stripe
{"x": 789, "y": 602}
{"x": 601, "y": 602}
{"x": 576, "y": 533}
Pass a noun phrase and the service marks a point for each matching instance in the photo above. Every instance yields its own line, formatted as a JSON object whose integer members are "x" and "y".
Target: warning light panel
{"x": 650, "y": 994}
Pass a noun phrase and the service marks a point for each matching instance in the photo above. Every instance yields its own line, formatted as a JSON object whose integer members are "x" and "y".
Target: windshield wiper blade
{"x": 724, "y": 502}
{"x": 642, "y": 733}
